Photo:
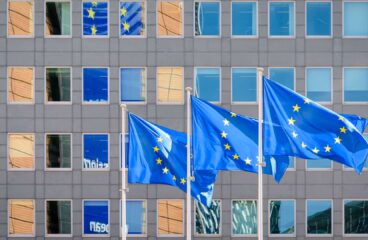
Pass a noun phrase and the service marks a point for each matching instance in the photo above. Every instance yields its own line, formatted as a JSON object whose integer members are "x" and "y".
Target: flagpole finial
{"x": 122, "y": 105}
{"x": 260, "y": 69}
{"x": 188, "y": 89}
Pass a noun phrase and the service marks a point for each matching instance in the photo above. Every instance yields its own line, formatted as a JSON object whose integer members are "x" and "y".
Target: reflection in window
{"x": 58, "y": 18}
{"x": 282, "y": 219}
{"x": 244, "y": 219}
{"x": 356, "y": 217}
{"x": 20, "y": 18}
{"x": 21, "y": 218}
{"x": 319, "y": 164}
{"x": 281, "y": 19}
{"x": 132, "y": 84}
{"x": 169, "y": 18}
{"x": 170, "y": 217}
{"x": 95, "y": 151}
{"x": 319, "y": 215}
{"x": 207, "y": 84}
{"x": 208, "y": 220}
{"x": 170, "y": 84}
{"x": 58, "y": 84}
{"x": 356, "y": 84}
{"x": 355, "y": 19}
{"x": 318, "y": 18}
{"x": 244, "y": 18}
{"x": 95, "y": 85}
{"x": 21, "y": 151}
{"x": 20, "y": 85}
{"x": 319, "y": 84}
{"x": 132, "y": 19}
{"x": 96, "y": 217}
{"x": 58, "y": 151}
{"x": 284, "y": 76}
{"x": 95, "y": 18}
{"x": 244, "y": 84}
{"x": 58, "y": 217}
{"x": 207, "y": 18}
{"x": 136, "y": 217}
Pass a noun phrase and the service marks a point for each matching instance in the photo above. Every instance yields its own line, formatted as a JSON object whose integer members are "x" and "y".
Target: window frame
{"x": 220, "y": 83}
{"x": 343, "y": 19}
{"x": 328, "y": 103}
{"x": 71, "y": 20}
{"x": 292, "y": 169}
{"x": 343, "y": 87}
{"x": 294, "y": 73}
{"x": 269, "y": 216}
{"x": 269, "y": 25}
{"x": 108, "y": 21}
{"x": 107, "y": 102}
{"x": 306, "y": 20}
{"x": 71, "y": 218}
{"x": 109, "y": 219}
{"x": 319, "y": 169}
{"x": 343, "y": 218}
{"x": 9, "y": 169}
{"x": 195, "y": 234}
{"x": 306, "y": 219}
{"x": 231, "y": 20}
{"x": 252, "y": 103}
{"x": 71, "y": 87}
{"x": 183, "y": 22}
{"x": 182, "y": 102}
{"x": 220, "y": 18}
{"x": 120, "y": 218}
{"x": 8, "y": 216}
{"x": 120, "y": 85}
{"x": 231, "y": 220}
{"x": 33, "y": 86}
{"x": 47, "y": 169}
{"x": 108, "y": 154}
{"x": 157, "y": 218}
{"x": 7, "y": 20}
{"x": 145, "y": 17}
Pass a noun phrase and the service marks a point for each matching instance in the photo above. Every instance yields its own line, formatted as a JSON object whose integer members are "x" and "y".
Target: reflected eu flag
{"x": 95, "y": 18}
{"x": 310, "y": 130}
{"x": 157, "y": 155}
{"x": 131, "y": 18}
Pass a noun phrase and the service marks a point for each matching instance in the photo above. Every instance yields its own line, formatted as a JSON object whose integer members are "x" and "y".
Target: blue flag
{"x": 131, "y": 18}
{"x": 95, "y": 18}
{"x": 310, "y": 130}
{"x": 359, "y": 122}
{"x": 157, "y": 155}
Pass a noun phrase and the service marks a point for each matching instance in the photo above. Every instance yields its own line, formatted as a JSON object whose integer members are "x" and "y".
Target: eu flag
{"x": 359, "y": 122}
{"x": 131, "y": 18}
{"x": 310, "y": 130}
{"x": 95, "y": 18}
{"x": 157, "y": 155}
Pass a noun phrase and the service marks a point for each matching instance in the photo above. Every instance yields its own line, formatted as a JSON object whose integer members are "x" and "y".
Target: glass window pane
{"x": 58, "y": 84}
{"x": 208, "y": 220}
{"x": 133, "y": 84}
{"x": 282, "y": 219}
{"x": 20, "y": 18}
{"x": 169, "y": 18}
{"x": 356, "y": 19}
{"x": 291, "y": 163}
{"x": 356, "y": 84}
{"x": 21, "y": 151}
{"x": 96, "y": 218}
{"x": 58, "y": 217}
{"x": 136, "y": 217}
{"x": 170, "y": 217}
{"x": 132, "y": 19}
{"x": 281, "y": 19}
{"x": 95, "y": 18}
{"x": 356, "y": 216}
{"x": 319, "y": 163}
{"x": 244, "y": 18}
{"x": 57, "y": 18}
{"x": 207, "y": 18}
{"x": 284, "y": 76}
{"x": 21, "y": 217}
{"x": 58, "y": 151}
{"x": 319, "y": 215}
{"x": 318, "y": 19}
{"x": 244, "y": 217}
{"x": 170, "y": 83}
{"x": 319, "y": 84}
{"x": 207, "y": 84}
{"x": 96, "y": 151}
{"x": 20, "y": 85}
{"x": 95, "y": 85}
{"x": 244, "y": 84}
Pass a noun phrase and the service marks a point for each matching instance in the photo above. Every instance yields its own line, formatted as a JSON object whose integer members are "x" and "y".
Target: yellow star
{"x": 306, "y": 101}
{"x": 227, "y": 146}
{"x": 165, "y": 170}
{"x": 291, "y": 121}
{"x": 174, "y": 178}
{"x": 341, "y": 118}
{"x": 91, "y": 13}
{"x": 315, "y": 150}
{"x": 223, "y": 134}
{"x": 294, "y": 134}
{"x": 155, "y": 149}
{"x": 126, "y": 26}
{"x": 296, "y": 108}
{"x": 123, "y": 11}
{"x": 236, "y": 156}
{"x": 159, "y": 161}
{"x": 182, "y": 181}
{"x": 304, "y": 145}
{"x": 248, "y": 161}
{"x": 93, "y": 30}
{"x": 343, "y": 130}
{"x": 327, "y": 149}
{"x": 226, "y": 122}
{"x": 338, "y": 140}
{"x": 94, "y": 3}
{"x": 233, "y": 114}
{"x": 159, "y": 139}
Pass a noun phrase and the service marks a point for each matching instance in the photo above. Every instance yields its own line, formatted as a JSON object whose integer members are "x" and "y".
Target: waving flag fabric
{"x": 132, "y": 18}
{"x": 95, "y": 18}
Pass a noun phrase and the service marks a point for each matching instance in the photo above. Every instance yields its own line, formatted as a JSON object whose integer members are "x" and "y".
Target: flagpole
{"x": 123, "y": 173}
{"x": 260, "y": 153}
{"x": 189, "y": 178}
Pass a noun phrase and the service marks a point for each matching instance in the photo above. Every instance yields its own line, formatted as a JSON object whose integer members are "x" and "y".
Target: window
{"x": 281, "y": 19}
{"x": 58, "y": 18}
{"x": 132, "y": 19}
{"x": 207, "y": 84}
{"x": 58, "y": 218}
{"x": 244, "y": 85}
{"x": 282, "y": 217}
{"x": 170, "y": 85}
{"x": 133, "y": 85}
{"x": 355, "y": 19}
{"x": 58, "y": 85}
{"x": 208, "y": 220}
{"x": 318, "y": 19}
{"x": 169, "y": 18}
{"x": 291, "y": 163}
{"x": 95, "y": 151}
{"x": 96, "y": 218}
{"x": 207, "y": 18}
{"x": 319, "y": 84}
{"x": 319, "y": 164}
{"x": 137, "y": 225}
{"x": 95, "y": 85}
{"x": 21, "y": 151}
{"x": 244, "y": 217}
{"x": 355, "y": 84}
{"x": 20, "y": 85}
{"x": 21, "y": 218}
{"x": 244, "y": 19}
{"x": 355, "y": 217}
{"x": 20, "y": 18}
{"x": 170, "y": 218}
{"x": 319, "y": 217}
{"x": 284, "y": 76}
{"x": 95, "y": 18}
{"x": 58, "y": 151}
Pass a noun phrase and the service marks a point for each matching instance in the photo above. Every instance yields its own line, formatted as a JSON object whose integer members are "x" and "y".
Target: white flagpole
{"x": 189, "y": 178}
{"x": 260, "y": 153}
{"x": 123, "y": 173}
